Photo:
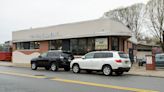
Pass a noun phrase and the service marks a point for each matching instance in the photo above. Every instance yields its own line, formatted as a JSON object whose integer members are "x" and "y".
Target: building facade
{"x": 79, "y": 38}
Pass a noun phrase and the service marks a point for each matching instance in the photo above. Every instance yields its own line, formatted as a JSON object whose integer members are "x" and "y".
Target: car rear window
{"x": 123, "y": 55}
{"x": 103, "y": 55}
{"x": 53, "y": 54}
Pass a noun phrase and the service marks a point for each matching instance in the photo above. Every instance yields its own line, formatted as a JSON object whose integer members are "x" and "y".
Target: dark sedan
{"x": 53, "y": 60}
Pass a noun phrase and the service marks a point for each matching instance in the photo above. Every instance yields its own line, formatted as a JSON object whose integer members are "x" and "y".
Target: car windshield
{"x": 44, "y": 54}
{"x": 123, "y": 55}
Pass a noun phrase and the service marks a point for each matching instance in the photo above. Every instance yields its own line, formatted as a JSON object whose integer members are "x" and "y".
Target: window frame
{"x": 92, "y": 57}
{"x": 104, "y": 55}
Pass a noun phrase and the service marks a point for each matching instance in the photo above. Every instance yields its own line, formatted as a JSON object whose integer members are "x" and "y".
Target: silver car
{"x": 159, "y": 58}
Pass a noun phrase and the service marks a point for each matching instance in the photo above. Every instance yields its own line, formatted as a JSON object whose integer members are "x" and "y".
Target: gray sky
{"x": 24, "y": 14}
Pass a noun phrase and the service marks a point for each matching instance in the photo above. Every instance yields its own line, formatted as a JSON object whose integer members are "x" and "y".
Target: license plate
{"x": 126, "y": 62}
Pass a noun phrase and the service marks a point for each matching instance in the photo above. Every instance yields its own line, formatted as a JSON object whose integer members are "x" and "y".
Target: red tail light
{"x": 118, "y": 61}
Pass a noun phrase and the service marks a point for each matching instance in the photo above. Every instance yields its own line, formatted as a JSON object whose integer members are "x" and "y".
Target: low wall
{"x": 5, "y": 56}
{"x": 19, "y": 57}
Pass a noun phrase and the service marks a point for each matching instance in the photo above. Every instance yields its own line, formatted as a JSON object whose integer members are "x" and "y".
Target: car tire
{"x": 76, "y": 68}
{"x": 33, "y": 66}
{"x": 66, "y": 68}
{"x": 47, "y": 68}
{"x": 119, "y": 73}
{"x": 107, "y": 70}
{"x": 54, "y": 67}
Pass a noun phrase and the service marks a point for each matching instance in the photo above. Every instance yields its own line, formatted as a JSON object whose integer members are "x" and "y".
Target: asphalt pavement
{"x": 15, "y": 79}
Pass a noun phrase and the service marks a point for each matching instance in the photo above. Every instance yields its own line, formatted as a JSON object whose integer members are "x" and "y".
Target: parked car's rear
{"x": 123, "y": 62}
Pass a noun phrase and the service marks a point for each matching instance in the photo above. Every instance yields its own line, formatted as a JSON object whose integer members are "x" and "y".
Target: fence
{"x": 5, "y": 56}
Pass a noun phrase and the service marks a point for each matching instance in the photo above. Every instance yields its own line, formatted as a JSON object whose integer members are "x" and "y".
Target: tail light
{"x": 118, "y": 61}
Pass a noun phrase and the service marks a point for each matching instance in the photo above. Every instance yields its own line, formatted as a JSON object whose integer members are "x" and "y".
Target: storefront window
{"x": 82, "y": 46}
{"x": 74, "y": 46}
{"x": 36, "y": 45}
{"x": 31, "y": 45}
{"x": 66, "y": 44}
{"x": 78, "y": 46}
{"x": 91, "y": 44}
{"x": 27, "y": 45}
{"x": 18, "y": 46}
{"x": 115, "y": 43}
{"x": 55, "y": 45}
{"x": 101, "y": 43}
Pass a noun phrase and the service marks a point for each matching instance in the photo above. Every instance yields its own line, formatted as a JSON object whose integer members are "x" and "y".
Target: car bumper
{"x": 122, "y": 69}
{"x": 65, "y": 64}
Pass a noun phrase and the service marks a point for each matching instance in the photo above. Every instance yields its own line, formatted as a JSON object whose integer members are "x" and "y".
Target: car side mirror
{"x": 83, "y": 57}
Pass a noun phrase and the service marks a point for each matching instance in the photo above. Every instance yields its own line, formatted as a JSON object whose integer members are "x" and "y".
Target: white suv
{"x": 105, "y": 61}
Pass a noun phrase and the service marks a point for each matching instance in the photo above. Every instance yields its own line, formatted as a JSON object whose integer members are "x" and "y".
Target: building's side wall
{"x": 142, "y": 54}
{"x": 43, "y": 46}
{"x": 25, "y": 56}
{"x": 121, "y": 44}
{"x": 143, "y": 50}
{"x": 126, "y": 46}
{"x": 129, "y": 45}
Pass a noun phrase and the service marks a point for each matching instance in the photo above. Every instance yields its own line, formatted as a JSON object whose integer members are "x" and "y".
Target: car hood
{"x": 34, "y": 59}
{"x": 77, "y": 59}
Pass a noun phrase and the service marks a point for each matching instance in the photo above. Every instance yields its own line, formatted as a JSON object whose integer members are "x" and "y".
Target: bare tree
{"x": 155, "y": 12}
{"x": 131, "y": 16}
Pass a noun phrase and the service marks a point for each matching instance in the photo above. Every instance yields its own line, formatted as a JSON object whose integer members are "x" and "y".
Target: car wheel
{"x": 119, "y": 73}
{"x": 66, "y": 68}
{"x": 76, "y": 68}
{"x": 89, "y": 71}
{"x": 107, "y": 70}
{"x": 47, "y": 68}
{"x": 33, "y": 66}
{"x": 54, "y": 67}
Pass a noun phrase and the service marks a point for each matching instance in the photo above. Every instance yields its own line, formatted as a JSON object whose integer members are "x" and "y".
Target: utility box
{"x": 150, "y": 62}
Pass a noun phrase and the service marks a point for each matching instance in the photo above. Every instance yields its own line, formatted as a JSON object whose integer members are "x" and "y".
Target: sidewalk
{"x": 135, "y": 70}
{"x": 141, "y": 71}
{"x": 10, "y": 64}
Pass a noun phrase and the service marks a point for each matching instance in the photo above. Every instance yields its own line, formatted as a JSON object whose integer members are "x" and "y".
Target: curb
{"x": 20, "y": 66}
{"x": 146, "y": 75}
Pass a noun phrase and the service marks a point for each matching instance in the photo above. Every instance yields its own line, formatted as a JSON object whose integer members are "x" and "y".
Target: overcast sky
{"x": 24, "y": 14}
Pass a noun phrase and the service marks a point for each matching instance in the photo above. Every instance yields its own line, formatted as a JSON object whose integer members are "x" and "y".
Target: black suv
{"x": 53, "y": 60}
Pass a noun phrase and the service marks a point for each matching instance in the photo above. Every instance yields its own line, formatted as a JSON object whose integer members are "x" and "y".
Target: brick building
{"x": 79, "y": 38}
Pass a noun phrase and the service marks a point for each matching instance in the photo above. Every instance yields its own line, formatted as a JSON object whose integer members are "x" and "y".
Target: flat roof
{"x": 91, "y": 28}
